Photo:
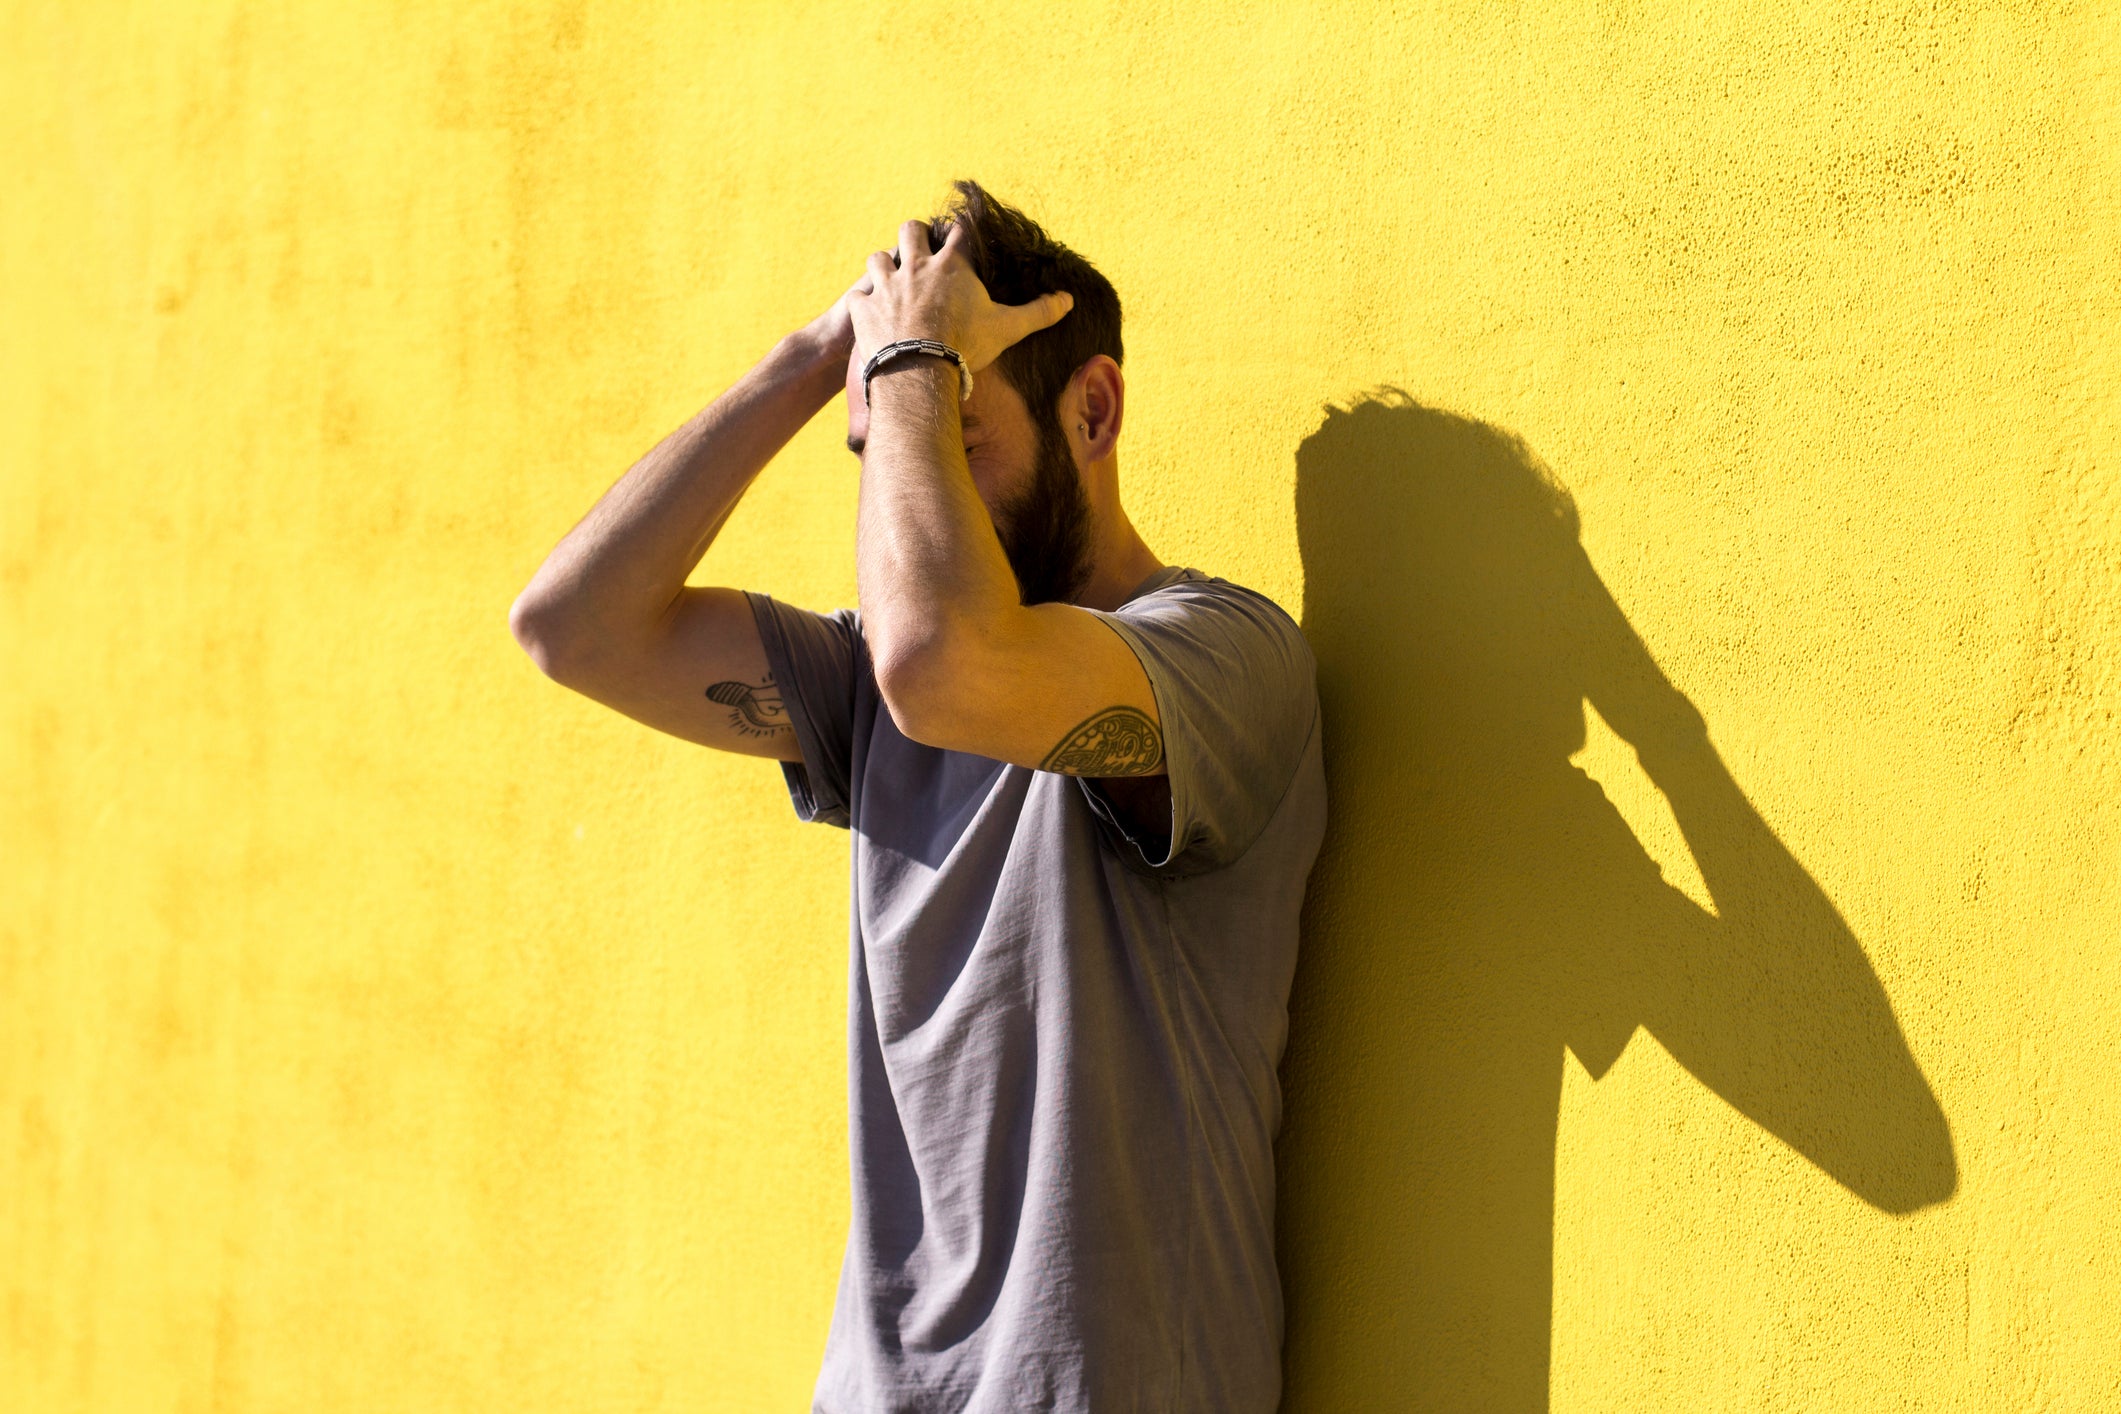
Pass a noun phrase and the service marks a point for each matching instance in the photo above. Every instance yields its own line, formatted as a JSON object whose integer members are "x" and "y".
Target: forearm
{"x": 1758, "y": 886}
{"x": 622, "y": 566}
{"x": 929, "y": 566}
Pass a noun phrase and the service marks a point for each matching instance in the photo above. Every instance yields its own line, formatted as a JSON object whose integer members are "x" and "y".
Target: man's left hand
{"x": 934, "y": 294}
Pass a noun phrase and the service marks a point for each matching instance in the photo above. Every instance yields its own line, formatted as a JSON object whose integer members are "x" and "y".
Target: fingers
{"x": 1041, "y": 313}
{"x": 915, "y": 238}
{"x": 913, "y": 241}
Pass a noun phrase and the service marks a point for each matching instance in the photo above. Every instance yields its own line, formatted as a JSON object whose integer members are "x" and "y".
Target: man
{"x": 1085, "y": 794}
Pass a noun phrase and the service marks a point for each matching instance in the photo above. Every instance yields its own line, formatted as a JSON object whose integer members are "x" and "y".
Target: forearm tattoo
{"x": 753, "y": 711}
{"x": 1118, "y": 741}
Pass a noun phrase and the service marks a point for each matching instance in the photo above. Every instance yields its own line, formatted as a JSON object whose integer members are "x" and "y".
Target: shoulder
{"x": 1236, "y": 689}
{"x": 1212, "y": 605}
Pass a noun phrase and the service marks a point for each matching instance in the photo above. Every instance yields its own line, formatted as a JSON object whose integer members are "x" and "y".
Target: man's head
{"x": 1023, "y": 461}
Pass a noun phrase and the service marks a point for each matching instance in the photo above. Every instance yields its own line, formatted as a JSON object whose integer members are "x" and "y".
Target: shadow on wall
{"x": 1480, "y": 905}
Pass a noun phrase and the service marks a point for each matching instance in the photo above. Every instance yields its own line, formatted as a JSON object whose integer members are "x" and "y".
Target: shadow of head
{"x": 1442, "y": 577}
{"x": 1480, "y": 907}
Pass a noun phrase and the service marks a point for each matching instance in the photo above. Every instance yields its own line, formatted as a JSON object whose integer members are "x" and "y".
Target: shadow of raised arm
{"x": 1771, "y": 1002}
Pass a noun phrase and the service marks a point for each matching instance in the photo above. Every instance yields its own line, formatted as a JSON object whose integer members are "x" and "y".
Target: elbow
{"x": 548, "y": 634}
{"x": 921, "y": 677}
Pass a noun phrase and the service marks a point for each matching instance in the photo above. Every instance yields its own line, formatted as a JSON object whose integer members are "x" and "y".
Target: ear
{"x": 1093, "y": 407}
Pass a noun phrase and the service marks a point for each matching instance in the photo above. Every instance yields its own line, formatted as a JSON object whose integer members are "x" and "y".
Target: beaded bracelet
{"x": 891, "y": 351}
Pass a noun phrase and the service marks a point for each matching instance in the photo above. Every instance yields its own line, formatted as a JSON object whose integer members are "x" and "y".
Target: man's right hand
{"x": 833, "y": 331}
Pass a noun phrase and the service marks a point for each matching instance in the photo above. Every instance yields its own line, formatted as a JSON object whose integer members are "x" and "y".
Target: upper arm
{"x": 1050, "y": 686}
{"x": 700, "y": 674}
{"x": 1221, "y": 672}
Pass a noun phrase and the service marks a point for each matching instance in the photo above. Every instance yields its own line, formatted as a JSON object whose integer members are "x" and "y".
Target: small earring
{"x": 1082, "y": 428}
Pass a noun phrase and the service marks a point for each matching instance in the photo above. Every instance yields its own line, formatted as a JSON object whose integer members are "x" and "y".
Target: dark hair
{"x": 1017, "y": 261}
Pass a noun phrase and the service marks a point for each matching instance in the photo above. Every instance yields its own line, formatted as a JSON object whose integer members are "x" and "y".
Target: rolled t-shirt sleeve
{"x": 1237, "y": 696}
{"x": 816, "y": 661}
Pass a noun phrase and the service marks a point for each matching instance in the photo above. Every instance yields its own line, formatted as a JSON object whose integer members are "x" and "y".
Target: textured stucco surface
{"x": 384, "y": 1027}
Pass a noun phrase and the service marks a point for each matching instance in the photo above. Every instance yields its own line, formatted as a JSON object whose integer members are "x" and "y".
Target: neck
{"x": 1122, "y": 560}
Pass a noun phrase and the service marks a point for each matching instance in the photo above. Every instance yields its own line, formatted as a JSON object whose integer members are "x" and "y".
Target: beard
{"x": 1045, "y": 529}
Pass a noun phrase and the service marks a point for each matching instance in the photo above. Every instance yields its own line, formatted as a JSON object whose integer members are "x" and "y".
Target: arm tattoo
{"x": 1118, "y": 741}
{"x": 753, "y": 711}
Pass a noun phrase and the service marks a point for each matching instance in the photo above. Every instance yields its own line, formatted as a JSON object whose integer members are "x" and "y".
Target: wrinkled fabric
{"x": 1063, "y": 1039}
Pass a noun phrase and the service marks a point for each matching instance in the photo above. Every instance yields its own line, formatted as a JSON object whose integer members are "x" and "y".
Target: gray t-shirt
{"x": 1062, "y": 1041}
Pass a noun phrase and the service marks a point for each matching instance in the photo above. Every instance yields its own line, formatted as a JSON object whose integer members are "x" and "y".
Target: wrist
{"x": 1676, "y": 742}
{"x": 913, "y": 392}
{"x": 930, "y": 374}
{"x": 900, "y": 352}
{"x": 817, "y": 352}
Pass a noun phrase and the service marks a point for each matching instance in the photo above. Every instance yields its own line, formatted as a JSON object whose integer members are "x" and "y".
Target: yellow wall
{"x": 384, "y": 1027}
